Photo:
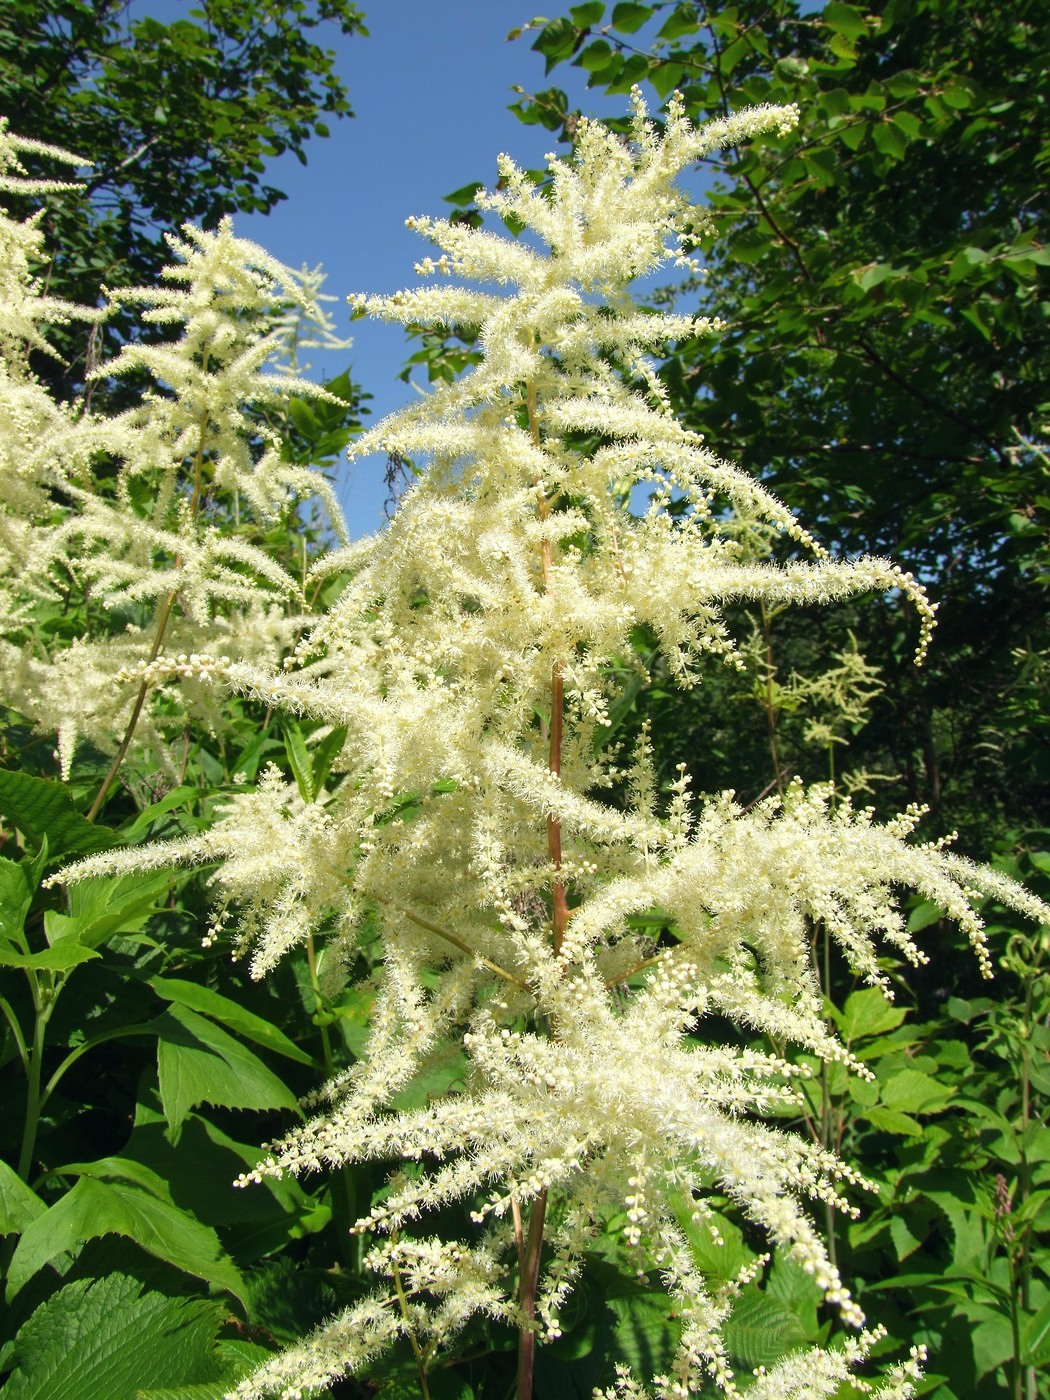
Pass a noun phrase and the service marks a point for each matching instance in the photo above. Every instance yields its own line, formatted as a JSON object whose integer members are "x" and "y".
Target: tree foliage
{"x": 179, "y": 120}
{"x": 885, "y": 279}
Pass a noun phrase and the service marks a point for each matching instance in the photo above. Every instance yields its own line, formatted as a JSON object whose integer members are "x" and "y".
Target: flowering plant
{"x": 548, "y": 920}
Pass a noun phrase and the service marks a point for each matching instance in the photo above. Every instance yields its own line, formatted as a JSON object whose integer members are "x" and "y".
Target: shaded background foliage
{"x": 179, "y": 120}
{"x": 885, "y": 276}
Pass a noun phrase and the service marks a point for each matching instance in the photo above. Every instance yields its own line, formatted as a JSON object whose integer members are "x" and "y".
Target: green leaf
{"x": 19, "y": 1206}
{"x": 993, "y": 1344}
{"x": 41, "y": 807}
{"x": 197, "y": 1063}
{"x": 904, "y": 1242}
{"x": 106, "y": 905}
{"x": 646, "y": 1331}
{"x": 326, "y": 751}
{"x": 587, "y": 14}
{"x": 913, "y": 1092}
{"x": 844, "y": 19}
{"x": 889, "y": 139}
{"x": 681, "y": 20}
{"x": 299, "y": 759}
{"x": 1035, "y": 1339}
{"x": 760, "y": 1329}
{"x": 867, "y": 1013}
{"x": 96, "y": 1208}
{"x": 891, "y": 1120}
{"x": 229, "y": 1013}
{"x": 62, "y": 958}
{"x": 105, "y": 1339}
{"x": 628, "y": 17}
{"x": 16, "y": 895}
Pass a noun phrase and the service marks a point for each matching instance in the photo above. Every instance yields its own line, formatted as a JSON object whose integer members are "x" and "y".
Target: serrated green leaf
{"x": 197, "y": 1062}
{"x": 105, "y": 1339}
{"x": 760, "y": 1329}
{"x": 41, "y": 807}
{"x": 891, "y": 1120}
{"x": 904, "y": 1242}
{"x": 106, "y": 905}
{"x": 867, "y": 1013}
{"x": 229, "y": 1013}
{"x": 96, "y": 1208}
{"x": 913, "y": 1092}
{"x": 646, "y": 1331}
{"x": 19, "y": 1206}
{"x": 62, "y": 958}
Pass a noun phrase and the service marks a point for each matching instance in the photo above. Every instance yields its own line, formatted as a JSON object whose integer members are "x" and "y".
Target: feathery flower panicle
{"x": 193, "y": 458}
{"x": 472, "y": 660}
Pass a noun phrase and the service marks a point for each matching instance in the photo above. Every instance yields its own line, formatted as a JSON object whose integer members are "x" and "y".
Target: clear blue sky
{"x": 430, "y": 87}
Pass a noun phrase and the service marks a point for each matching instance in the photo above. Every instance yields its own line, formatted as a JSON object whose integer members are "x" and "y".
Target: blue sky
{"x": 430, "y": 87}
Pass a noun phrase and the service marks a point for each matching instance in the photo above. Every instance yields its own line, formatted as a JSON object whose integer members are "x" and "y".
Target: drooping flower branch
{"x": 483, "y": 825}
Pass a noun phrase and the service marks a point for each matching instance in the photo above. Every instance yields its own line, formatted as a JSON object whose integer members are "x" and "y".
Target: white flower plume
{"x": 510, "y": 862}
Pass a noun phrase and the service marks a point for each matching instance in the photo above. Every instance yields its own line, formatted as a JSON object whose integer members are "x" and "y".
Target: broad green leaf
{"x": 587, "y": 14}
{"x": 760, "y": 1329}
{"x": 844, "y": 19}
{"x": 682, "y": 20}
{"x": 229, "y": 1013}
{"x": 41, "y": 807}
{"x": 628, "y": 17}
{"x": 913, "y": 1092}
{"x": 867, "y": 1013}
{"x": 646, "y": 1331}
{"x": 891, "y": 1120}
{"x": 889, "y": 139}
{"x": 96, "y": 1208}
{"x": 105, "y": 1339}
{"x": 197, "y": 1062}
{"x": 61, "y": 958}
{"x": 106, "y": 905}
{"x": 16, "y": 895}
{"x": 790, "y": 1286}
{"x": 993, "y": 1344}
{"x": 19, "y": 1206}
{"x": 904, "y": 1242}
{"x": 923, "y": 915}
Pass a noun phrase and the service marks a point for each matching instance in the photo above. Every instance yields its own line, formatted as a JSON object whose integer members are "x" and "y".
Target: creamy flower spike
{"x": 193, "y": 454}
{"x": 503, "y": 854}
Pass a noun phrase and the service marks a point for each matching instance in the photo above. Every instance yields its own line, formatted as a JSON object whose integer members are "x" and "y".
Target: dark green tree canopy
{"x": 886, "y": 280}
{"x": 179, "y": 120}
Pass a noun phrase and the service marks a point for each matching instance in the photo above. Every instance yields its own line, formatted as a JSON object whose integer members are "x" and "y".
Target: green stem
{"x": 34, "y": 1103}
{"x": 16, "y": 1031}
{"x": 344, "y": 1188}
{"x": 424, "y": 1388}
{"x": 140, "y": 700}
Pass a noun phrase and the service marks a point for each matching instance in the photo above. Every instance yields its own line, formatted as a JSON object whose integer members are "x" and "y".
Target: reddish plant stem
{"x": 527, "y": 1295}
